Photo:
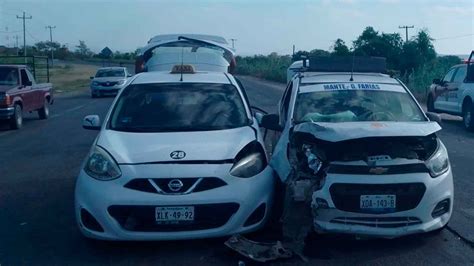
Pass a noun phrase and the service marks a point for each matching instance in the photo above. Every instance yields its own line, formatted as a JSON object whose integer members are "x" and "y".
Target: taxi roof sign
{"x": 183, "y": 69}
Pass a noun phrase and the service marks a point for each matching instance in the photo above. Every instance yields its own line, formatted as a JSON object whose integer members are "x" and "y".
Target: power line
{"x": 24, "y": 17}
{"x": 406, "y": 30}
{"x": 33, "y": 37}
{"x": 51, "y": 42}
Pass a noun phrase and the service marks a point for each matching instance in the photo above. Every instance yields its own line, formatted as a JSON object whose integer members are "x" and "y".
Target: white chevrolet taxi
{"x": 178, "y": 156}
{"x": 376, "y": 165}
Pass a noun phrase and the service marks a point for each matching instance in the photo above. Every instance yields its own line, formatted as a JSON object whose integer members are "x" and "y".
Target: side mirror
{"x": 259, "y": 116}
{"x": 434, "y": 117}
{"x": 437, "y": 81}
{"x": 91, "y": 122}
{"x": 271, "y": 122}
{"x": 28, "y": 83}
{"x": 91, "y": 77}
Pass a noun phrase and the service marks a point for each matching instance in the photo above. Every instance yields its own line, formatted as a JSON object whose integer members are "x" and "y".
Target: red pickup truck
{"x": 20, "y": 93}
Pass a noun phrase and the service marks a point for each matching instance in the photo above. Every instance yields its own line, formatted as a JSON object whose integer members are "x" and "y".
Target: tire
{"x": 430, "y": 104}
{"x": 16, "y": 122}
{"x": 93, "y": 94}
{"x": 43, "y": 113}
{"x": 467, "y": 117}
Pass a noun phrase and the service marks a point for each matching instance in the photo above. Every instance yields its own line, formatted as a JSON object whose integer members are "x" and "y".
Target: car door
{"x": 37, "y": 92}
{"x": 456, "y": 90}
{"x": 26, "y": 93}
{"x": 442, "y": 92}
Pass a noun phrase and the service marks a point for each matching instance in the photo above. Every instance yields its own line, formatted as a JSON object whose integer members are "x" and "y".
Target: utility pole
{"x": 406, "y": 30}
{"x": 233, "y": 45}
{"x": 293, "y": 52}
{"x": 24, "y": 17}
{"x": 51, "y": 42}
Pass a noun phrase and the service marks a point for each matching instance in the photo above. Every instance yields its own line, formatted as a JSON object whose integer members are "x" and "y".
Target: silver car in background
{"x": 108, "y": 80}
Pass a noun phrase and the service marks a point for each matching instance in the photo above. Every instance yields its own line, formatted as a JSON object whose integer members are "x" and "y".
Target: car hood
{"x": 142, "y": 148}
{"x": 5, "y": 88}
{"x": 335, "y": 132}
{"x": 109, "y": 79}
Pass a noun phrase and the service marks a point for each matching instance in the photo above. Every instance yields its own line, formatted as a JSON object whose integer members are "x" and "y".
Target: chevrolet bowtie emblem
{"x": 378, "y": 170}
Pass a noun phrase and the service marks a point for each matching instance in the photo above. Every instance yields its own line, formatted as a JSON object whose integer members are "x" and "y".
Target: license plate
{"x": 378, "y": 202}
{"x": 174, "y": 214}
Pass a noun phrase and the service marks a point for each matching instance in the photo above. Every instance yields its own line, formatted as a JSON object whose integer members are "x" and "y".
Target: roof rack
{"x": 345, "y": 64}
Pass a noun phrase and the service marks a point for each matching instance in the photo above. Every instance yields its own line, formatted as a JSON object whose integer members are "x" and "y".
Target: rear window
{"x": 351, "y": 105}
{"x": 110, "y": 73}
{"x": 178, "y": 107}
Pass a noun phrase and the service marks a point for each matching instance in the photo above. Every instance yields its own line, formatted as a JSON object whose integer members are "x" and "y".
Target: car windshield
{"x": 110, "y": 73}
{"x": 8, "y": 76}
{"x": 178, "y": 107}
{"x": 356, "y": 105}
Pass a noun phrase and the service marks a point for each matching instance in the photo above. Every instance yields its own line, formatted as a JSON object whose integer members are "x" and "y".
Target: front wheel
{"x": 467, "y": 117}
{"x": 43, "y": 113}
{"x": 16, "y": 122}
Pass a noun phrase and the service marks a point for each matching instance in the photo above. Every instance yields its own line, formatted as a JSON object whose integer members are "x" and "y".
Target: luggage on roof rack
{"x": 345, "y": 64}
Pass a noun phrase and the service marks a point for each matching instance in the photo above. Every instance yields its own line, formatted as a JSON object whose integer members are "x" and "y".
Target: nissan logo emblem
{"x": 177, "y": 155}
{"x": 175, "y": 185}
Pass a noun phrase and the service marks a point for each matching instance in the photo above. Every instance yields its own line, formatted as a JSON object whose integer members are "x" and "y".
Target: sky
{"x": 260, "y": 26}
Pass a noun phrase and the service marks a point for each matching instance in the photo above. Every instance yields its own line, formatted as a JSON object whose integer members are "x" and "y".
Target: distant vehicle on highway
{"x": 204, "y": 52}
{"x": 20, "y": 93}
{"x": 108, "y": 80}
{"x": 454, "y": 94}
{"x": 363, "y": 146}
{"x": 179, "y": 156}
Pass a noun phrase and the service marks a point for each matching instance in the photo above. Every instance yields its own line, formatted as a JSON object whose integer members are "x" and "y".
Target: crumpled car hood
{"x": 335, "y": 132}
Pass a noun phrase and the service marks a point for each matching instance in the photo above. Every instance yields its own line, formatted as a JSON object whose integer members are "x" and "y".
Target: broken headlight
{"x": 438, "y": 163}
{"x": 250, "y": 161}
{"x": 314, "y": 163}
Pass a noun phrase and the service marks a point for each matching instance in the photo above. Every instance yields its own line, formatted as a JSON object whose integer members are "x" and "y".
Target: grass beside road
{"x": 71, "y": 77}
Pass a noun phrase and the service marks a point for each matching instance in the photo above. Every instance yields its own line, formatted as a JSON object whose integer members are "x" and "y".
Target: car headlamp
{"x": 100, "y": 165}
{"x": 250, "y": 161}
{"x": 438, "y": 163}
{"x": 121, "y": 82}
{"x": 95, "y": 83}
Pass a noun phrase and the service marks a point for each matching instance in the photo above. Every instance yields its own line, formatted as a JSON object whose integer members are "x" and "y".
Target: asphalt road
{"x": 39, "y": 164}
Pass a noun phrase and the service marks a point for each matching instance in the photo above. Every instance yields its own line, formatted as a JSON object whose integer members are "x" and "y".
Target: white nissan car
{"x": 365, "y": 149}
{"x": 178, "y": 156}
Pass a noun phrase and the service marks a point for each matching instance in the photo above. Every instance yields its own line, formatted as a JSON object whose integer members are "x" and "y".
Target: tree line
{"x": 414, "y": 61}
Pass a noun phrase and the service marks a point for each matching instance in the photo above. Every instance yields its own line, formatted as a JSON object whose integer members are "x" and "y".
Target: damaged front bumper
{"x": 335, "y": 205}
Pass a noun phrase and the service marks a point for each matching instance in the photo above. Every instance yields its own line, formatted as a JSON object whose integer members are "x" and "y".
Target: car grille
{"x": 380, "y": 222}
{"x": 142, "y": 218}
{"x": 346, "y": 197}
{"x": 108, "y": 84}
{"x": 161, "y": 185}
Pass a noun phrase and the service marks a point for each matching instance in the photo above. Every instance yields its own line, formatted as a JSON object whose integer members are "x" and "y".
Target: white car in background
{"x": 108, "y": 80}
{"x": 364, "y": 147}
{"x": 178, "y": 156}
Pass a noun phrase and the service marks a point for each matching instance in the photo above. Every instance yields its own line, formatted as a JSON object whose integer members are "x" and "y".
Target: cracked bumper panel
{"x": 233, "y": 203}
{"x": 387, "y": 225}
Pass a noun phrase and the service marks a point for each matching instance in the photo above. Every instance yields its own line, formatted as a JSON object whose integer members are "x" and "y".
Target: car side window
{"x": 449, "y": 75}
{"x": 30, "y": 77}
{"x": 285, "y": 102}
{"x": 24, "y": 77}
{"x": 460, "y": 74}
